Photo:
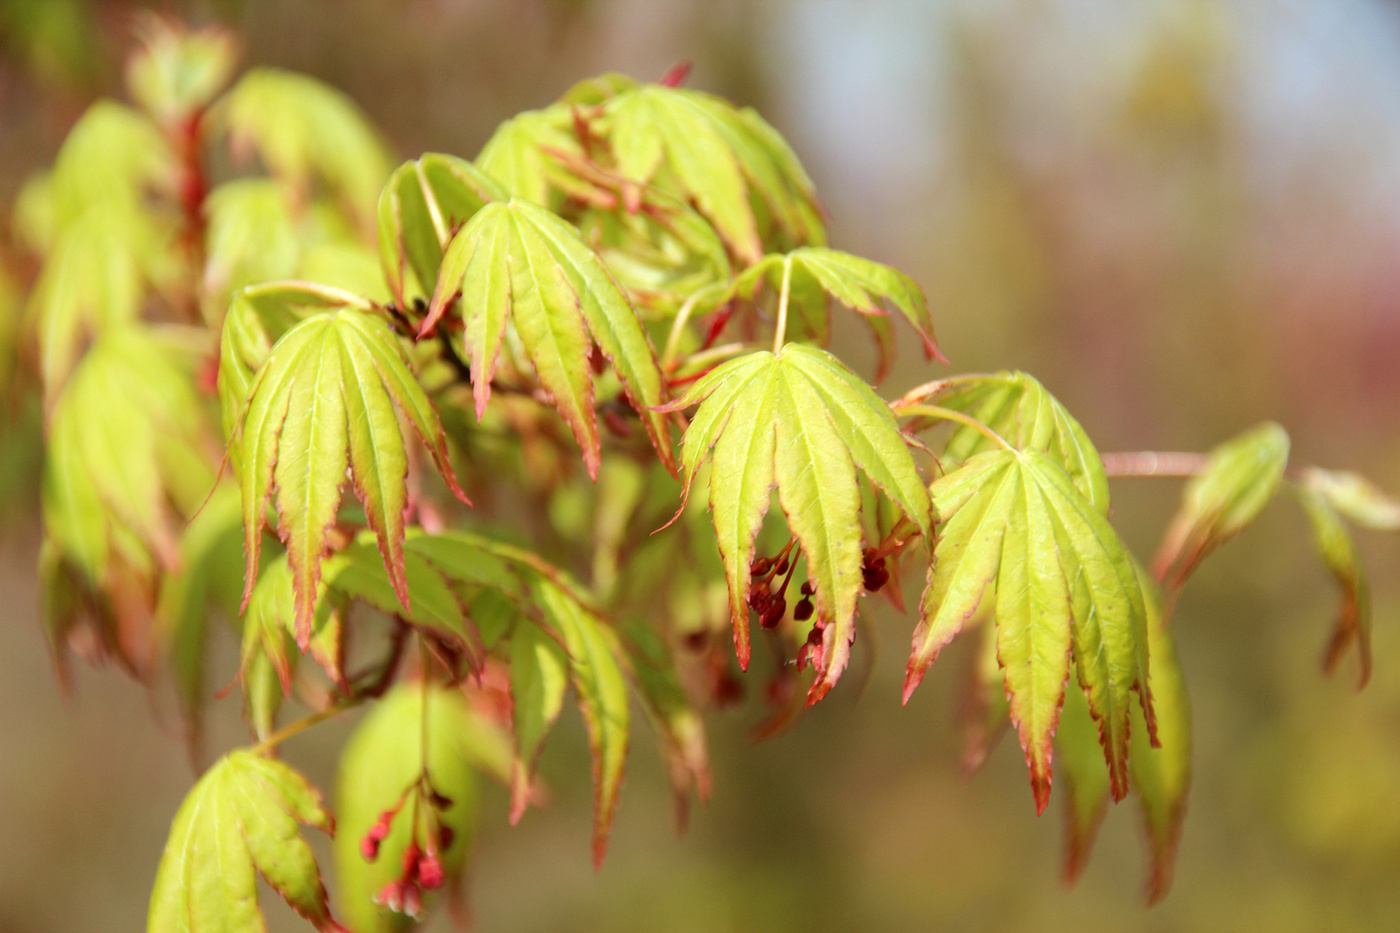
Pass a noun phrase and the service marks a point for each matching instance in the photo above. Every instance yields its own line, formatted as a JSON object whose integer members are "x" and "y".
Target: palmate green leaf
{"x": 529, "y": 156}
{"x": 801, "y": 421}
{"x": 382, "y": 760}
{"x": 517, "y": 260}
{"x": 1162, "y": 770}
{"x": 425, "y": 202}
{"x": 1240, "y": 479}
{"x": 1016, "y": 406}
{"x": 1335, "y": 546}
{"x": 124, "y": 439}
{"x": 329, "y": 396}
{"x": 601, "y": 688}
{"x": 240, "y": 821}
{"x": 1065, "y": 585}
{"x": 729, "y": 162}
{"x": 555, "y": 620}
{"x": 303, "y": 130}
{"x": 873, "y": 290}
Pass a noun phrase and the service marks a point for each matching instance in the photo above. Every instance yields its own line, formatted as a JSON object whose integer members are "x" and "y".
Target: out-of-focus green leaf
{"x": 268, "y": 646}
{"x": 662, "y": 254}
{"x": 1065, "y": 585}
{"x": 817, "y": 273}
{"x": 123, "y": 436}
{"x": 517, "y": 260}
{"x": 424, "y": 204}
{"x": 329, "y": 396}
{"x": 539, "y": 676}
{"x": 92, "y": 282}
{"x": 1355, "y": 497}
{"x": 675, "y": 719}
{"x": 33, "y": 218}
{"x": 593, "y": 91}
{"x": 1338, "y": 551}
{"x": 602, "y": 696}
{"x": 1162, "y": 770}
{"x": 801, "y": 421}
{"x": 984, "y": 710}
{"x": 1016, "y": 406}
{"x": 701, "y": 148}
{"x": 529, "y": 156}
{"x": 111, "y": 158}
{"x": 206, "y": 579}
{"x": 304, "y": 130}
{"x": 380, "y": 770}
{"x": 1240, "y": 479}
{"x": 252, "y": 237}
{"x": 1086, "y": 781}
{"x": 239, "y": 822}
{"x": 177, "y": 71}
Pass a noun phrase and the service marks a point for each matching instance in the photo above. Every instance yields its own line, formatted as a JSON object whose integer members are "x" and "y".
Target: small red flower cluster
{"x": 421, "y": 867}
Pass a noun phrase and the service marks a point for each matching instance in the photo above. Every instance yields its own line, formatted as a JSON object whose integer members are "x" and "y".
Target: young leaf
{"x": 1064, "y": 581}
{"x": 425, "y": 202}
{"x": 529, "y": 155}
{"x": 1355, "y": 497}
{"x": 701, "y": 148}
{"x": 1241, "y": 478}
{"x": 1086, "y": 782}
{"x": 326, "y": 398}
{"x": 251, "y": 237}
{"x": 801, "y": 421}
{"x": 516, "y": 259}
{"x": 110, "y": 160}
{"x": 177, "y": 71}
{"x": 379, "y": 775}
{"x": 1162, "y": 770}
{"x": 1338, "y": 551}
{"x": 303, "y": 129}
{"x": 268, "y": 645}
{"x": 1016, "y": 406}
{"x": 238, "y": 822}
{"x": 602, "y": 697}
{"x": 866, "y": 287}
{"x": 539, "y": 676}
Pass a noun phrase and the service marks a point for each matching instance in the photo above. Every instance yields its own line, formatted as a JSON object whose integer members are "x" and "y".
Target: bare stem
{"x": 780, "y": 332}
{"x": 673, "y": 339}
{"x": 1155, "y": 463}
{"x": 306, "y": 722}
{"x": 948, "y": 414}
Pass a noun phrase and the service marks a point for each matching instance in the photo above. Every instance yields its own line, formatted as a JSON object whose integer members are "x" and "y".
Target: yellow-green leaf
{"x": 239, "y": 822}
{"x": 1335, "y": 546}
{"x": 801, "y": 421}
{"x": 539, "y": 676}
{"x": 1240, "y": 478}
{"x": 517, "y": 260}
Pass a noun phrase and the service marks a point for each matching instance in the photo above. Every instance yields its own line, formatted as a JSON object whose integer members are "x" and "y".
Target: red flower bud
{"x": 430, "y": 872}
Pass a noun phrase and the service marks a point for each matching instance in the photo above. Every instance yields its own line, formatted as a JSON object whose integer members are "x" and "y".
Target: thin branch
{"x": 948, "y": 414}
{"x": 306, "y": 722}
{"x": 1155, "y": 463}
{"x": 780, "y": 332}
{"x": 673, "y": 339}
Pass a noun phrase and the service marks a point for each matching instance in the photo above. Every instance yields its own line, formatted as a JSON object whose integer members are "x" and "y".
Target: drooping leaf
{"x": 602, "y": 697}
{"x": 1016, "y": 406}
{"x": 269, "y": 646}
{"x": 1065, "y": 585}
{"x": 983, "y": 710}
{"x": 1162, "y": 770}
{"x": 124, "y": 441}
{"x": 251, "y": 237}
{"x": 240, "y": 821}
{"x": 304, "y": 130}
{"x": 381, "y": 764}
{"x": 206, "y": 580}
{"x": 329, "y": 396}
{"x": 801, "y": 421}
{"x": 679, "y": 725}
{"x": 111, "y": 159}
{"x": 1240, "y": 479}
{"x": 425, "y": 202}
{"x": 517, "y": 260}
{"x": 1355, "y": 497}
{"x": 874, "y": 290}
{"x": 728, "y": 162}
{"x": 1335, "y": 546}
{"x": 1086, "y": 782}
{"x": 539, "y": 677}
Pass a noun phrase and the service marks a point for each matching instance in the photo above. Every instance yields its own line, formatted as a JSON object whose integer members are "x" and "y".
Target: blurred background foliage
{"x": 1184, "y": 217}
